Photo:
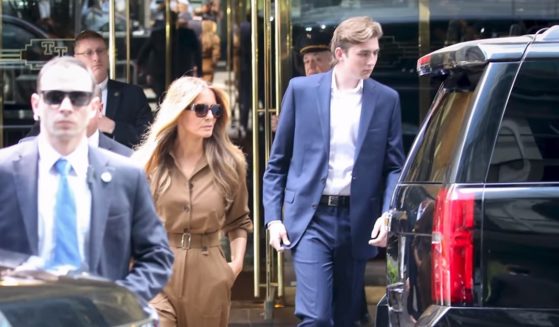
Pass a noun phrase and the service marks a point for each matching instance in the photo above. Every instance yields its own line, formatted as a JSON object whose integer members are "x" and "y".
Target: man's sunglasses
{"x": 201, "y": 109}
{"x": 77, "y": 98}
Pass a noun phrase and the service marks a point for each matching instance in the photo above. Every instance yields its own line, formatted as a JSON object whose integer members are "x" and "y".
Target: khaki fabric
{"x": 199, "y": 291}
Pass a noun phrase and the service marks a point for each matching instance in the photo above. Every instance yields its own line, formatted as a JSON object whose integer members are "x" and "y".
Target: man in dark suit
{"x": 126, "y": 112}
{"x": 75, "y": 206}
{"x": 329, "y": 180}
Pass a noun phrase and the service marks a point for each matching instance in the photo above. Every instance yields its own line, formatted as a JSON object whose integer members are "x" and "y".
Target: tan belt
{"x": 194, "y": 241}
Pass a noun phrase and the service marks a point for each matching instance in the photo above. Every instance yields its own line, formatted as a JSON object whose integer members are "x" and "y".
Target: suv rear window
{"x": 439, "y": 138}
{"x": 528, "y": 141}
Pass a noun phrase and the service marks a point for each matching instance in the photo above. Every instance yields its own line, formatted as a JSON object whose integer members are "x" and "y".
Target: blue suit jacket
{"x": 108, "y": 143}
{"x": 124, "y": 224}
{"x": 298, "y": 166}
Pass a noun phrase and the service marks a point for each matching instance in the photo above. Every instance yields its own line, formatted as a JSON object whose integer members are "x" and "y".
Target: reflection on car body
{"x": 38, "y": 298}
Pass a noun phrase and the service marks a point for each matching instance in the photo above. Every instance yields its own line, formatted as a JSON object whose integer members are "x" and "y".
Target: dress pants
{"x": 329, "y": 279}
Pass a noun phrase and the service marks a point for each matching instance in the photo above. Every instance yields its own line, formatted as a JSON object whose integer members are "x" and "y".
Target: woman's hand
{"x": 236, "y": 267}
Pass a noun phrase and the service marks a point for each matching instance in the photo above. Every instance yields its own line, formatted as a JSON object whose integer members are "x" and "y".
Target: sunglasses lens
{"x": 54, "y": 97}
{"x": 201, "y": 110}
{"x": 77, "y": 98}
{"x": 217, "y": 111}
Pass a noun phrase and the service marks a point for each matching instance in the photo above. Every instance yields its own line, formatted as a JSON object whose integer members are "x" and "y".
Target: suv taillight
{"x": 453, "y": 247}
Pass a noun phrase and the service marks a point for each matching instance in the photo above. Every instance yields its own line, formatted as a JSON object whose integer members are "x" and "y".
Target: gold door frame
{"x": 112, "y": 40}
{"x": 275, "y": 77}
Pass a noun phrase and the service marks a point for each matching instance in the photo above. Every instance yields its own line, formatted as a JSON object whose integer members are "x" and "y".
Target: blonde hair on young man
{"x": 354, "y": 30}
{"x": 227, "y": 163}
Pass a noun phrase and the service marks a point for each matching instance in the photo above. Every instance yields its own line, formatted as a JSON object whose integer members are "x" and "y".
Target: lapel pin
{"x": 106, "y": 177}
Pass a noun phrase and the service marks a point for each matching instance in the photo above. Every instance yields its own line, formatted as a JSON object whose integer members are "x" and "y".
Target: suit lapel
{"x": 99, "y": 176}
{"x": 113, "y": 98}
{"x": 104, "y": 142}
{"x": 26, "y": 177}
{"x": 369, "y": 101}
{"x": 323, "y": 102}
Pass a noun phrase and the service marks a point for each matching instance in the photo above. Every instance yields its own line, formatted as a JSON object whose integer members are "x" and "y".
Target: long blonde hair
{"x": 227, "y": 163}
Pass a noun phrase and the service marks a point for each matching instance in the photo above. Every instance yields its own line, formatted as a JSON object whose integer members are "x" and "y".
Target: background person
{"x": 126, "y": 112}
{"x": 211, "y": 49}
{"x": 330, "y": 180}
{"x": 101, "y": 219}
{"x": 317, "y": 58}
{"x": 315, "y": 52}
{"x": 186, "y": 55}
{"x": 198, "y": 179}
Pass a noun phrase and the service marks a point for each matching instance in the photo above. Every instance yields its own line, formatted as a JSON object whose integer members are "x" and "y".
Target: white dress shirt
{"x": 345, "y": 113}
{"x": 103, "y": 87}
{"x": 47, "y": 189}
{"x": 93, "y": 140}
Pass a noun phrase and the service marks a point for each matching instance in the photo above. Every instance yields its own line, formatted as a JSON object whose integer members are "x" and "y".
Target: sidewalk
{"x": 247, "y": 311}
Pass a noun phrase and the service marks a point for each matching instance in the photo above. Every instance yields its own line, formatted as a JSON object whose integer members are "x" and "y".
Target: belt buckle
{"x": 333, "y": 200}
{"x": 185, "y": 240}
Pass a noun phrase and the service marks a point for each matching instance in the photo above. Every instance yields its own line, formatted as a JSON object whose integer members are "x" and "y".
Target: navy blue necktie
{"x": 66, "y": 251}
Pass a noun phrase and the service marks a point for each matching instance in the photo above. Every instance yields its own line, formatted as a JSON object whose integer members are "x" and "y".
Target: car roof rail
{"x": 549, "y": 34}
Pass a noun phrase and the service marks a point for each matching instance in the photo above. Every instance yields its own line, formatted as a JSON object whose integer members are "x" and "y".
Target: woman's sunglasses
{"x": 77, "y": 98}
{"x": 201, "y": 109}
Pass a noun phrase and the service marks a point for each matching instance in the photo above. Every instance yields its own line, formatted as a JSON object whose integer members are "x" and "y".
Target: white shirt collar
{"x": 335, "y": 89}
{"x": 93, "y": 140}
{"x": 78, "y": 158}
{"x": 103, "y": 84}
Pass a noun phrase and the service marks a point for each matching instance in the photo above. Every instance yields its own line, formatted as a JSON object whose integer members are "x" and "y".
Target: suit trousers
{"x": 329, "y": 279}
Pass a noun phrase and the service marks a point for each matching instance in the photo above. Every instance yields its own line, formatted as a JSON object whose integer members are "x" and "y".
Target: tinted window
{"x": 15, "y": 37}
{"x": 435, "y": 150}
{"x": 527, "y": 145}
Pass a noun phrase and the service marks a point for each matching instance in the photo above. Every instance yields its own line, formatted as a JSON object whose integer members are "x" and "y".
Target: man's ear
{"x": 338, "y": 53}
{"x": 35, "y": 99}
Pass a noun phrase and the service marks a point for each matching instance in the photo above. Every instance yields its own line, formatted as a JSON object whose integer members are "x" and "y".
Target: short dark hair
{"x": 87, "y": 35}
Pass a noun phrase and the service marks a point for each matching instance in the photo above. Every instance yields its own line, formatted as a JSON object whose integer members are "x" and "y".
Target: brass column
{"x": 168, "y": 54}
{"x": 127, "y": 38}
{"x": 112, "y": 40}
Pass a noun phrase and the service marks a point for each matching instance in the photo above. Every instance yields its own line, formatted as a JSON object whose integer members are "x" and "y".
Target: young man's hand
{"x": 278, "y": 235}
{"x": 379, "y": 235}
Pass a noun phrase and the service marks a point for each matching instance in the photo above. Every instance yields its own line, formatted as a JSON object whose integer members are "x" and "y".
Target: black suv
{"x": 474, "y": 235}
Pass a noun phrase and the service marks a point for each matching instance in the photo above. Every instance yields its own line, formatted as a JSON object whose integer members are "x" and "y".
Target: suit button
{"x": 186, "y": 208}
{"x": 314, "y": 206}
{"x": 353, "y": 178}
{"x": 323, "y": 181}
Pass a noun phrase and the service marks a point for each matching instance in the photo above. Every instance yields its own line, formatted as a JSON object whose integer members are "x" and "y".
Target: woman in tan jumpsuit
{"x": 198, "y": 180}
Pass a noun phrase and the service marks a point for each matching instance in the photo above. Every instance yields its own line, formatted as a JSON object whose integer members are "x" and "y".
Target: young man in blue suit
{"x": 335, "y": 160}
{"x": 76, "y": 206}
